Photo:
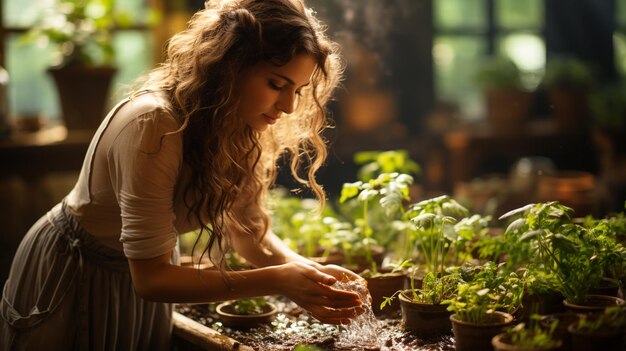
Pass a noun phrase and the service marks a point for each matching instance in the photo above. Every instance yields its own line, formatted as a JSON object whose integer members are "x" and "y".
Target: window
{"x": 466, "y": 31}
{"x": 619, "y": 38}
{"x": 31, "y": 89}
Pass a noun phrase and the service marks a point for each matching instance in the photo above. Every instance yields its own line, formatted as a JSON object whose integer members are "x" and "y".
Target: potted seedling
{"x": 603, "y": 331}
{"x": 246, "y": 313}
{"x": 568, "y": 81}
{"x": 434, "y": 234}
{"x": 531, "y": 337}
{"x": 507, "y": 102}
{"x": 563, "y": 249}
{"x": 380, "y": 202}
{"x": 482, "y": 306}
{"x": 423, "y": 310}
{"x": 81, "y": 34}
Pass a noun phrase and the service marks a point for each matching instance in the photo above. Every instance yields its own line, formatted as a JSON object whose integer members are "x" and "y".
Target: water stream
{"x": 364, "y": 330}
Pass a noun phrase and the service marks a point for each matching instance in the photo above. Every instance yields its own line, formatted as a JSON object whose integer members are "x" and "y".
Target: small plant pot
{"x": 594, "y": 304}
{"x": 502, "y": 342}
{"x": 384, "y": 285}
{"x": 606, "y": 339}
{"x": 544, "y": 303}
{"x": 608, "y": 287}
{"x": 230, "y": 318}
{"x": 424, "y": 319}
{"x": 565, "y": 320}
{"x": 473, "y": 337}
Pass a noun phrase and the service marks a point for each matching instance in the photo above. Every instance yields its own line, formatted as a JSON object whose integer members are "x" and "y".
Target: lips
{"x": 270, "y": 119}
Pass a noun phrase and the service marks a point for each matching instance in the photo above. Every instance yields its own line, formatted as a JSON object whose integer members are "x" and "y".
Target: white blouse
{"x": 126, "y": 194}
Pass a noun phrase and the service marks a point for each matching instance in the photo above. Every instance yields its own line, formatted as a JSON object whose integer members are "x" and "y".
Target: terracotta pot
{"x": 83, "y": 93}
{"x": 608, "y": 287}
{"x": 594, "y": 304}
{"x": 473, "y": 337}
{"x": 541, "y": 303}
{"x": 507, "y": 110}
{"x": 564, "y": 319}
{"x": 385, "y": 285}
{"x": 606, "y": 339}
{"x": 569, "y": 108}
{"x": 502, "y": 342}
{"x": 575, "y": 189}
{"x": 424, "y": 319}
{"x": 230, "y": 318}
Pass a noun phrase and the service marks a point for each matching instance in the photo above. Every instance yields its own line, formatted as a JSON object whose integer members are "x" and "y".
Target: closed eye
{"x": 274, "y": 85}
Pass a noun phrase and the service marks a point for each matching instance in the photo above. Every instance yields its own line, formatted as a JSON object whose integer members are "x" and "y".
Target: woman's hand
{"x": 340, "y": 273}
{"x": 311, "y": 288}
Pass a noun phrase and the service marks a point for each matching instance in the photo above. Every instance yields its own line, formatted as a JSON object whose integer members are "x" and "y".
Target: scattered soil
{"x": 293, "y": 326}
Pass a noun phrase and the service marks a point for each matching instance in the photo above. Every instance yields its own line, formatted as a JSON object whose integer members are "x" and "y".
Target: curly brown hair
{"x": 232, "y": 166}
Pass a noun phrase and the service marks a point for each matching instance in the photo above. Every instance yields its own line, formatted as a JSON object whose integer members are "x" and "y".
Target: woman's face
{"x": 267, "y": 92}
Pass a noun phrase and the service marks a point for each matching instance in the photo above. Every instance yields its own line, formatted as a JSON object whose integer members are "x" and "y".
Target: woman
{"x": 195, "y": 147}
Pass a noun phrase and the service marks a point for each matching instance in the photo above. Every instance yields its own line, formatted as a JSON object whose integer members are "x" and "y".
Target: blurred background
{"x": 500, "y": 102}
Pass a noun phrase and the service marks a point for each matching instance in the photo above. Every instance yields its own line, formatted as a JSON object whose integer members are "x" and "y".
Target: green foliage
{"x": 568, "y": 72}
{"x": 547, "y": 237}
{"x": 306, "y": 347}
{"x": 613, "y": 317}
{"x": 485, "y": 290}
{"x": 435, "y": 233}
{"x": 533, "y": 336}
{"x": 250, "y": 306}
{"x": 81, "y": 30}
{"x": 376, "y": 162}
{"x": 608, "y": 108}
{"x": 298, "y": 223}
{"x": 380, "y": 202}
{"x": 435, "y": 290}
{"x": 499, "y": 73}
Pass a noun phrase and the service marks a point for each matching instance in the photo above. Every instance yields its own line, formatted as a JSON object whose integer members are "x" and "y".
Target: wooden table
{"x": 52, "y": 149}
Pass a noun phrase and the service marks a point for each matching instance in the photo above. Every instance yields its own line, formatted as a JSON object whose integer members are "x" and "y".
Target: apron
{"x": 66, "y": 291}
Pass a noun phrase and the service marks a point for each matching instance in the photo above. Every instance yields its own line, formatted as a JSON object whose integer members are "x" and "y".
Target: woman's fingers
{"x": 342, "y": 274}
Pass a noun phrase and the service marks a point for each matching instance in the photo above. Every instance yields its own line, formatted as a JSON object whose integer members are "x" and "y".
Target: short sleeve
{"x": 144, "y": 165}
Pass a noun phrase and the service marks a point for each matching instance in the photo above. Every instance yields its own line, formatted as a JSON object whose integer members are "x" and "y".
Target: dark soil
{"x": 293, "y": 326}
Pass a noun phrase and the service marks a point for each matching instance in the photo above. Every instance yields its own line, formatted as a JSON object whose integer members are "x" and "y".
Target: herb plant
{"x": 486, "y": 290}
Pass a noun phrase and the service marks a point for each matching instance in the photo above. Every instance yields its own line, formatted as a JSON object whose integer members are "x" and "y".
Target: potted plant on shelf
{"x": 246, "y": 313}
{"x": 568, "y": 81}
{"x": 483, "y": 305}
{"x": 83, "y": 66}
{"x": 507, "y": 102}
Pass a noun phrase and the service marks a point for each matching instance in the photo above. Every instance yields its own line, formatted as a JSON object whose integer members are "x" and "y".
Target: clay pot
{"x": 575, "y": 189}
{"x": 507, "y": 110}
{"x": 424, "y": 319}
{"x": 230, "y": 318}
{"x": 502, "y": 342}
{"x": 472, "y": 337}
{"x": 385, "y": 285}
{"x": 594, "y": 304}
{"x": 605, "y": 339}
{"x": 83, "y": 93}
{"x": 565, "y": 319}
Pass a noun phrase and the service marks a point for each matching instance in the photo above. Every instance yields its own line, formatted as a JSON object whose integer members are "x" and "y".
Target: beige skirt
{"x": 68, "y": 292}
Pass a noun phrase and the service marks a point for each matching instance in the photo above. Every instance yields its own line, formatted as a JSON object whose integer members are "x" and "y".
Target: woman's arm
{"x": 158, "y": 280}
{"x": 273, "y": 251}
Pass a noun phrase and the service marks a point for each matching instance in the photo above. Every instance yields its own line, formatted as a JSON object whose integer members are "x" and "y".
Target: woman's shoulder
{"x": 145, "y": 117}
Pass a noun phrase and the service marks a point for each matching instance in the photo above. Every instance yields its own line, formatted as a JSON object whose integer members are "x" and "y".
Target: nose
{"x": 285, "y": 102}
